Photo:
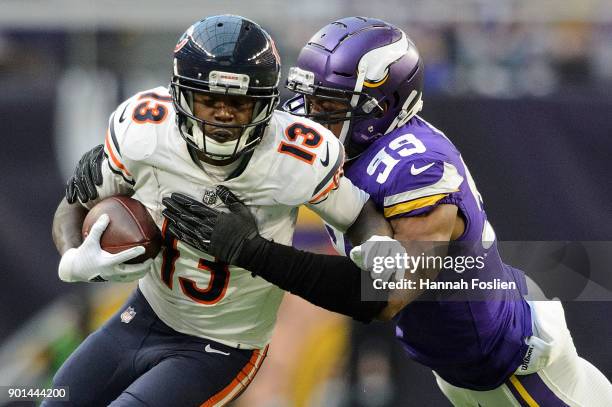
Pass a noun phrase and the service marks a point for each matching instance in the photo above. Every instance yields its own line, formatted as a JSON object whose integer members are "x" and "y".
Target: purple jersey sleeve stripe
{"x": 409, "y": 206}
{"x": 538, "y": 390}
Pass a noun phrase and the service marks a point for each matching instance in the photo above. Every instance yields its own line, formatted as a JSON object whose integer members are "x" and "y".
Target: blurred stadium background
{"x": 521, "y": 86}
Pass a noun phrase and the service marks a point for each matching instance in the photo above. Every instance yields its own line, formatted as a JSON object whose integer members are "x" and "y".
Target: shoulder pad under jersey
{"x": 306, "y": 159}
{"x": 134, "y": 128}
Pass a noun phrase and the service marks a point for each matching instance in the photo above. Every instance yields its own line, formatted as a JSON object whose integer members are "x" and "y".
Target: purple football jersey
{"x": 476, "y": 344}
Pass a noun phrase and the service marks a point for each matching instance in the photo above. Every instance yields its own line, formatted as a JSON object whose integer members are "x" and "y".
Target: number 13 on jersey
{"x": 219, "y": 274}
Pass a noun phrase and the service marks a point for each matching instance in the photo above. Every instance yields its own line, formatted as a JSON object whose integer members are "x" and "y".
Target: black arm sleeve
{"x": 331, "y": 282}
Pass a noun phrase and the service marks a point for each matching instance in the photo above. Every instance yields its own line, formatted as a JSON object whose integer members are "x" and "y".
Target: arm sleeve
{"x": 330, "y": 282}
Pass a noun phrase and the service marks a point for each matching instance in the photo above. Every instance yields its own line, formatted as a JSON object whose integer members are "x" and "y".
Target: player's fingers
{"x": 229, "y": 199}
{"x": 172, "y": 217}
{"x": 172, "y": 205}
{"x": 183, "y": 221}
{"x": 80, "y": 187}
{"x": 71, "y": 196}
{"x": 193, "y": 217}
{"x": 174, "y": 232}
{"x": 203, "y": 233}
{"x": 183, "y": 234}
{"x": 185, "y": 226}
{"x": 184, "y": 200}
{"x": 386, "y": 250}
{"x": 371, "y": 249}
{"x": 204, "y": 211}
{"x": 356, "y": 256}
{"x": 126, "y": 255}
{"x": 192, "y": 220}
{"x": 126, "y": 277}
{"x": 90, "y": 188}
{"x": 79, "y": 178}
{"x": 189, "y": 210}
{"x": 178, "y": 205}
{"x": 99, "y": 227}
{"x": 187, "y": 239}
{"x": 225, "y": 194}
{"x": 134, "y": 269}
{"x": 80, "y": 193}
{"x": 399, "y": 274}
{"x": 96, "y": 170}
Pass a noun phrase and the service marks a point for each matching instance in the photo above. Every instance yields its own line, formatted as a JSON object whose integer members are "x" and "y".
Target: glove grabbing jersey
{"x": 372, "y": 254}
{"x": 331, "y": 282}
{"x": 89, "y": 262}
{"x": 217, "y": 233}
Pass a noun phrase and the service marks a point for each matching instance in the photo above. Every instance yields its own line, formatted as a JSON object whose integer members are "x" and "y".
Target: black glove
{"x": 220, "y": 234}
{"x": 87, "y": 174}
{"x": 331, "y": 282}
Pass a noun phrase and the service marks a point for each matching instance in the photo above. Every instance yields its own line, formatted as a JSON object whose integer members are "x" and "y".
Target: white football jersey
{"x": 297, "y": 162}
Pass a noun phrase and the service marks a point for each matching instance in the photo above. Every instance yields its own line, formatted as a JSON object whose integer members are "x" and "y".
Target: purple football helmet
{"x": 371, "y": 66}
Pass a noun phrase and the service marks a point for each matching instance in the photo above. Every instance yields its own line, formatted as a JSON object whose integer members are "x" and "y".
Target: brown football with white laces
{"x": 130, "y": 225}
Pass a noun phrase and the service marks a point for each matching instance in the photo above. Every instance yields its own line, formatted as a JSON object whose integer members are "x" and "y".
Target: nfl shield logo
{"x": 128, "y": 315}
{"x": 210, "y": 197}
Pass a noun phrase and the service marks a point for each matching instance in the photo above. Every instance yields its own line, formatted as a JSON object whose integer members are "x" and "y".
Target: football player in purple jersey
{"x": 363, "y": 78}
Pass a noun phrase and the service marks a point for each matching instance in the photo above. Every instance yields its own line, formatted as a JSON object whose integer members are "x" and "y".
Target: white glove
{"x": 370, "y": 254}
{"x": 88, "y": 261}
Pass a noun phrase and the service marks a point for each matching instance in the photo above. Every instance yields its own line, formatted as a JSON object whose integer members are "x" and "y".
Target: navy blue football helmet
{"x": 225, "y": 55}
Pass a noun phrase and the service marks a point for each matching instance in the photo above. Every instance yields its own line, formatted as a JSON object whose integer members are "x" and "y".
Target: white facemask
{"x": 214, "y": 148}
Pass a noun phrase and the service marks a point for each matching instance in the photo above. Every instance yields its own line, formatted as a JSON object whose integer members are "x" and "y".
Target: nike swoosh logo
{"x": 417, "y": 171}
{"x": 325, "y": 162}
{"x": 122, "y": 117}
{"x": 210, "y": 349}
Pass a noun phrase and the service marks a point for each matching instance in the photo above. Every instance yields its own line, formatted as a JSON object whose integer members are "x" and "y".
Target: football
{"x": 130, "y": 225}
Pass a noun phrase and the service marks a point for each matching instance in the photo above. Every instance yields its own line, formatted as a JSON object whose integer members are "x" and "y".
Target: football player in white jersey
{"x": 196, "y": 330}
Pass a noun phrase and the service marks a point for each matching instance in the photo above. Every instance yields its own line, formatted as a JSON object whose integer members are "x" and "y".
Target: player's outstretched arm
{"x": 429, "y": 233}
{"x": 331, "y": 282}
{"x": 369, "y": 222}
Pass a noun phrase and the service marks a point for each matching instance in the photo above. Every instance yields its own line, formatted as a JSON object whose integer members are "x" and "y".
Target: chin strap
{"x": 361, "y": 73}
{"x": 220, "y": 150}
{"x": 404, "y": 114}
